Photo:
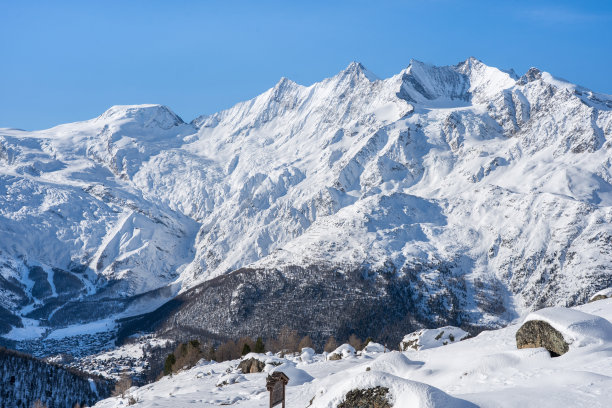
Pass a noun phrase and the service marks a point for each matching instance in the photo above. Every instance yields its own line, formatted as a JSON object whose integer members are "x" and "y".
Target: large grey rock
{"x": 538, "y": 333}
{"x": 251, "y": 365}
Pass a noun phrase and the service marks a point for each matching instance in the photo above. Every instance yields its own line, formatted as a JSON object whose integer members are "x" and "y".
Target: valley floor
{"x": 485, "y": 371}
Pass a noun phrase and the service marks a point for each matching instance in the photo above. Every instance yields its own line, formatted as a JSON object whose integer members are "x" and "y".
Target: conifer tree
{"x": 170, "y": 360}
{"x": 259, "y": 346}
{"x": 246, "y": 349}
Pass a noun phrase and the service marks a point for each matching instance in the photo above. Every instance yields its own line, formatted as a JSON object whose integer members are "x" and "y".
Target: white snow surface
{"x": 374, "y": 348}
{"x": 80, "y": 329}
{"x": 344, "y": 350}
{"x": 429, "y": 338}
{"x": 485, "y": 371}
{"x": 505, "y": 181}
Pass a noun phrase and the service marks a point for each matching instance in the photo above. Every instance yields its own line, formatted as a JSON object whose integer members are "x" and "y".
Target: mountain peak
{"x": 357, "y": 68}
{"x": 149, "y": 115}
{"x": 355, "y": 65}
{"x": 470, "y": 63}
{"x": 531, "y": 75}
{"x": 415, "y": 62}
{"x": 284, "y": 83}
{"x": 473, "y": 63}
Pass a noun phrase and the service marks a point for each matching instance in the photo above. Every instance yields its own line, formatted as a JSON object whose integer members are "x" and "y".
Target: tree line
{"x": 288, "y": 341}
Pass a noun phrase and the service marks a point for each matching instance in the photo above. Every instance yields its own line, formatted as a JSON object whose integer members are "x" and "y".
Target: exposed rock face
{"x": 537, "y": 333}
{"x": 251, "y": 365}
{"x": 370, "y": 397}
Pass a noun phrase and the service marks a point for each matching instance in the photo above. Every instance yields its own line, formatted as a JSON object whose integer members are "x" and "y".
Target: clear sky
{"x": 64, "y": 61}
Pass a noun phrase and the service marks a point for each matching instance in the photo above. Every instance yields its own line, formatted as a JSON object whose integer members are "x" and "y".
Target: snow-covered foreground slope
{"x": 485, "y": 371}
{"x": 485, "y": 193}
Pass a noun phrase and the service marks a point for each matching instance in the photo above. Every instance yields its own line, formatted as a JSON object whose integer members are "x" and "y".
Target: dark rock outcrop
{"x": 370, "y": 397}
{"x": 538, "y": 333}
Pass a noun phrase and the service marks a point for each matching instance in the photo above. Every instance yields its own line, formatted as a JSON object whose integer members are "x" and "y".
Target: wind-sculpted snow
{"x": 502, "y": 181}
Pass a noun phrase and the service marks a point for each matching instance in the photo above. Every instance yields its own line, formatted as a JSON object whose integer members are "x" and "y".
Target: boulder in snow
{"x": 369, "y": 397}
{"x": 255, "y": 362}
{"x": 558, "y": 329}
{"x": 345, "y": 350}
{"x": 601, "y": 295}
{"x": 430, "y": 338}
{"x": 538, "y": 333}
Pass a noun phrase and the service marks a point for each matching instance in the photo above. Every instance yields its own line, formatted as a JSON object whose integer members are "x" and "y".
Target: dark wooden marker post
{"x": 275, "y": 383}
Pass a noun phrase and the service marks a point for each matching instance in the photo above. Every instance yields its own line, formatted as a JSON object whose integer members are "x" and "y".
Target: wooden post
{"x": 275, "y": 384}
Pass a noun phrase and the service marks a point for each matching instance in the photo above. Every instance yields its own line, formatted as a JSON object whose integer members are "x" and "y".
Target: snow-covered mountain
{"x": 484, "y": 191}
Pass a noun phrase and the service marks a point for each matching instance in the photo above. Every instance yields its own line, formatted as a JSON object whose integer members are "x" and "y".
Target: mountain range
{"x": 464, "y": 195}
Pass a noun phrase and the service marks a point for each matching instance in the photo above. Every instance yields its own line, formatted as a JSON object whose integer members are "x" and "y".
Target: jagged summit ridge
{"x": 357, "y": 68}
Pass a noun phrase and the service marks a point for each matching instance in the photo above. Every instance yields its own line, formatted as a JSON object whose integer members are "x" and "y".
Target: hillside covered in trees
{"x": 25, "y": 380}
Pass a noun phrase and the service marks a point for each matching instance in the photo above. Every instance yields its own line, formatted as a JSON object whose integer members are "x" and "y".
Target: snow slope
{"x": 485, "y": 371}
{"x": 465, "y": 174}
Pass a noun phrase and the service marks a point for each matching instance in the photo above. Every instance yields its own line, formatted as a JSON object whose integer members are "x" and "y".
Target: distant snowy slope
{"x": 478, "y": 189}
{"x": 79, "y": 241}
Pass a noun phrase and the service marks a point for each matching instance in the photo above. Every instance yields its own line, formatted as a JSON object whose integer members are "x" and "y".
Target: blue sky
{"x": 68, "y": 61}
